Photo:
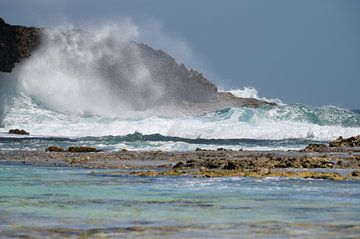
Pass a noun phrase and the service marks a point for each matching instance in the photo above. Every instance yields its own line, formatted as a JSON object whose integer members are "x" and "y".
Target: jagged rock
{"x": 82, "y": 149}
{"x": 179, "y": 86}
{"x": 346, "y": 142}
{"x": 18, "y": 131}
{"x": 316, "y": 148}
{"x": 54, "y": 149}
{"x": 355, "y": 174}
{"x": 16, "y": 43}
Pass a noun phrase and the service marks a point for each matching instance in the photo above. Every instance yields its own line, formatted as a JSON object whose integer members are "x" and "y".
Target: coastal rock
{"x": 346, "y": 142}
{"x": 355, "y": 175}
{"x": 18, "y": 131}
{"x": 16, "y": 43}
{"x": 316, "y": 148}
{"x": 54, "y": 149}
{"x": 82, "y": 149}
{"x": 180, "y": 86}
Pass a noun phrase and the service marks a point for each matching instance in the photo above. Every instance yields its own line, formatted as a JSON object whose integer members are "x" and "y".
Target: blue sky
{"x": 299, "y": 51}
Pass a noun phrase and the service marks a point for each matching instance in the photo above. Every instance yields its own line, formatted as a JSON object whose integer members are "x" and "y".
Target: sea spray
{"x": 96, "y": 87}
{"x": 98, "y": 72}
{"x": 275, "y": 123}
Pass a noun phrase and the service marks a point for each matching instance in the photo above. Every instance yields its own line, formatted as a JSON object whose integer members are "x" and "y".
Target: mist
{"x": 104, "y": 69}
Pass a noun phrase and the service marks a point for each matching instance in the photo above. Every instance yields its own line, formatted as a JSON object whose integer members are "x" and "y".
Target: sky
{"x": 304, "y": 52}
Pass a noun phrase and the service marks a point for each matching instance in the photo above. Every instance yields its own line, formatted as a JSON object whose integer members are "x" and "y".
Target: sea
{"x": 59, "y": 103}
{"x": 284, "y": 127}
{"x": 56, "y": 202}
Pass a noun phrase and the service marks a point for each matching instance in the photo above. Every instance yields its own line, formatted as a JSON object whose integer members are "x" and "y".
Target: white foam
{"x": 251, "y": 92}
{"x": 276, "y": 123}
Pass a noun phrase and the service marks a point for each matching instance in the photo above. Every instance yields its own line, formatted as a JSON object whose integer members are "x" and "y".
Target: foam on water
{"x": 72, "y": 87}
{"x": 265, "y": 123}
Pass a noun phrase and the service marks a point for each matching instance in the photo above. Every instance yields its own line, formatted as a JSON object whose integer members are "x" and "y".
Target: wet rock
{"x": 229, "y": 165}
{"x": 355, "y": 174}
{"x": 54, "y": 149}
{"x": 18, "y": 131}
{"x": 316, "y": 148}
{"x": 346, "y": 142}
{"x": 16, "y": 43}
{"x": 82, "y": 149}
{"x": 179, "y": 165}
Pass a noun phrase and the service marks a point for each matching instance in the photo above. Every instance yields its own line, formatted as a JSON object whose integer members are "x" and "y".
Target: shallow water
{"x": 67, "y": 202}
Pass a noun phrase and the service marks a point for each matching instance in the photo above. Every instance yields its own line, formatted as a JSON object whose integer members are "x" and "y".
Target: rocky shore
{"x": 340, "y": 164}
{"x": 16, "y": 43}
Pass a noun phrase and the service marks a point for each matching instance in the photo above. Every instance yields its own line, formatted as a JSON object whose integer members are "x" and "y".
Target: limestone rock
{"x": 346, "y": 142}
{"x": 16, "y": 43}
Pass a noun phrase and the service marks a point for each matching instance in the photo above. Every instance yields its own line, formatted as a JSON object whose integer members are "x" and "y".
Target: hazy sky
{"x": 299, "y": 51}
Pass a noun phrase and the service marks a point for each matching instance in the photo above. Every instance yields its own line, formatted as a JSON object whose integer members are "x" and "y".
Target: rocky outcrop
{"x": 316, "y": 148}
{"x": 18, "y": 131}
{"x": 179, "y": 85}
{"x": 338, "y": 145}
{"x": 346, "y": 142}
{"x": 72, "y": 149}
{"x": 16, "y": 43}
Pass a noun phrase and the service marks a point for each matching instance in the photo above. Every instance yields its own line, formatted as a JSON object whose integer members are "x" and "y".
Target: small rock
{"x": 54, "y": 149}
{"x": 178, "y": 165}
{"x": 82, "y": 149}
{"x": 18, "y": 131}
{"x": 316, "y": 148}
{"x": 229, "y": 166}
{"x": 347, "y": 142}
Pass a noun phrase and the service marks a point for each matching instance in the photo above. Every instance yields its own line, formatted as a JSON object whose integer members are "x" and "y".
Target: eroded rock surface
{"x": 16, "y": 43}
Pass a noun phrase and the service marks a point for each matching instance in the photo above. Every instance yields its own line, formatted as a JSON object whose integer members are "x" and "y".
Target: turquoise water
{"x": 283, "y": 127}
{"x": 68, "y": 202}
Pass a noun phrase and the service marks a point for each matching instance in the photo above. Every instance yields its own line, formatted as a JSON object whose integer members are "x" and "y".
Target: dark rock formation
{"x": 180, "y": 86}
{"x": 16, "y": 43}
{"x": 54, "y": 149}
{"x": 72, "y": 149}
{"x": 347, "y": 142}
{"x": 316, "y": 148}
{"x": 18, "y": 131}
{"x": 82, "y": 149}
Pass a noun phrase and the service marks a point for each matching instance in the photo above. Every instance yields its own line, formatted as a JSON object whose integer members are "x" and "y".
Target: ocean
{"x": 283, "y": 127}
{"x": 63, "y": 96}
{"x": 60, "y": 202}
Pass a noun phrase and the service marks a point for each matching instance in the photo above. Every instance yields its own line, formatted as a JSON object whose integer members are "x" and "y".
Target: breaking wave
{"x": 75, "y": 88}
{"x": 281, "y": 127}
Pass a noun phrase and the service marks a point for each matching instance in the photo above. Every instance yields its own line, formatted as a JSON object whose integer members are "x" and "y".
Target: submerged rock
{"x": 18, "y": 131}
{"x": 346, "y": 142}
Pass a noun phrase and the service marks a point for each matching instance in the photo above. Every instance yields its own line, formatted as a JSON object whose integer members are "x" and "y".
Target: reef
{"x": 346, "y": 142}
{"x": 199, "y": 163}
{"x": 351, "y": 144}
{"x": 73, "y": 149}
